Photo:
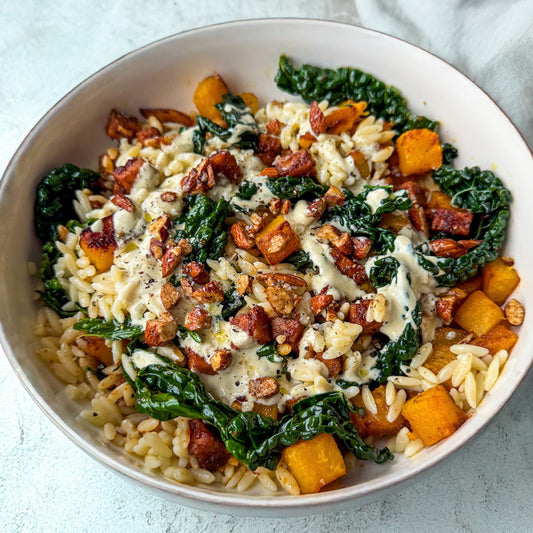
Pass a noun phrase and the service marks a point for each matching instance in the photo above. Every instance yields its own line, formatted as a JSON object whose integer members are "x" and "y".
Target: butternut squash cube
{"x": 499, "y": 280}
{"x": 499, "y": 338}
{"x": 98, "y": 349}
{"x": 419, "y": 151}
{"x": 376, "y": 425}
{"x": 315, "y": 463}
{"x": 266, "y": 410}
{"x": 277, "y": 240}
{"x": 448, "y": 336}
{"x": 478, "y": 314}
{"x": 439, "y": 200}
{"x": 208, "y": 93}
{"x": 440, "y": 356}
{"x": 250, "y": 99}
{"x": 394, "y": 222}
{"x": 100, "y": 246}
{"x": 433, "y": 415}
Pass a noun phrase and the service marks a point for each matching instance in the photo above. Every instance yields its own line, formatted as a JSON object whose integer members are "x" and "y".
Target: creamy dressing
{"x": 375, "y": 198}
{"x": 405, "y": 290}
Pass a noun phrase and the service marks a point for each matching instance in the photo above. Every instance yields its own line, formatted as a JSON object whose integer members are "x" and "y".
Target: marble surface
{"x": 46, "y": 47}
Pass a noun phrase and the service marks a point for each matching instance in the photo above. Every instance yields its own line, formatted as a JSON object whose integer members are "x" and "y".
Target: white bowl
{"x": 164, "y": 74}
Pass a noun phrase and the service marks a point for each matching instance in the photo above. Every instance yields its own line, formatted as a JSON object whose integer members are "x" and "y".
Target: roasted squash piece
{"x": 478, "y": 314}
{"x": 439, "y": 200}
{"x": 433, "y": 415}
{"x": 440, "y": 356}
{"x": 448, "y": 336}
{"x": 208, "y": 93}
{"x": 470, "y": 285}
{"x": 419, "y": 151}
{"x": 165, "y": 115}
{"x": 250, "y": 99}
{"x": 499, "y": 280}
{"x": 277, "y": 240}
{"x": 361, "y": 163}
{"x": 315, "y": 463}
{"x": 499, "y": 338}
{"x": 394, "y": 222}
{"x": 100, "y": 246}
{"x": 266, "y": 410}
{"x": 376, "y": 425}
{"x": 97, "y": 348}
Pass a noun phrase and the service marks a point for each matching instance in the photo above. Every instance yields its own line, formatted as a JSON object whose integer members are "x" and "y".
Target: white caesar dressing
{"x": 406, "y": 288}
{"x": 375, "y": 197}
{"x": 148, "y": 179}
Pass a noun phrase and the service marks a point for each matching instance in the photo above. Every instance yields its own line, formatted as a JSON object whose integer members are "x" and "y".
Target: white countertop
{"x": 46, "y": 483}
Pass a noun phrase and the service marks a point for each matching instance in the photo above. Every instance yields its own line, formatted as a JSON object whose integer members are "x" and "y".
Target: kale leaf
{"x": 383, "y": 271}
{"x": 246, "y": 190}
{"x": 314, "y": 83}
{"x": 55, "y": 193}
{"x": 300, "y": 260}
{"x": 112, "y": 330}
{"x": 165, "y": 392}
{"x": 449, "y": 153}
{"x": 184, "y": 332}
{"x": 401, "y": 350}
{"x": 204, "y": 227}
{"x": 232, "y": 303}
{"x": 484, "y": 194}
{"x": 293, "y": 189}
{"x": 242, "y": 130}
{"x": 56, "y": 297}
{"x": 357, "y": 215}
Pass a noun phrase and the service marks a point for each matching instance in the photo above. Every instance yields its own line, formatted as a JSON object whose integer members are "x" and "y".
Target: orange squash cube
{"x": 266, "y": 410}
{"x": 419, "y": 151}
{"x": 499, "y": 280}
{"x": 439, "y": 200}
{"x": 478, "y": 314}
{"x": 208, "y": 93}
{"x": 98, "y": 349}
{"x": 100, "y": 246}
{"x": 315, "y": 463}
{"x": 440, "y": 356}
{"x": 276, "y": 240}
{"x": 448, "y": 336}
{"x": 433, "y": 415}
{"x": 250, "y": 99}
{"x": 499, "y": 338}
{"x": 376, "y": 425}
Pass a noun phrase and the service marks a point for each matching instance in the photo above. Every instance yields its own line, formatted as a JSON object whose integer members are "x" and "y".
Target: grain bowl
{"x": 474, "y": 363}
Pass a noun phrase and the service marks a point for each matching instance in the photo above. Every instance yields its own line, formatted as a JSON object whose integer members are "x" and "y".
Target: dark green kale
{"x": 344, "y": 384}
{"x": 232, "y": 303}
{"x": 240, "y": 122}
{"x": 383, "y": 271}
{"x": 55, "y": 194}
{"x": 294, "y": 189}
{"x": 482, "y": 193}
{"x": 402, "y": 350}
{"x": 300, "y": 260}
{"x": 357, "y": 216}
{"x": 112, "y": 330}
{"x": 246, "y": 190}
{"x": 270, "y": 352}
{"x": 204, "y": 227}
{"x": 165, "y": 392}
{"x": 56, "y": 297}
{"x": 449, "y": 153}
{"x": 184, "y": 332}
{"x": 335, "y": 86}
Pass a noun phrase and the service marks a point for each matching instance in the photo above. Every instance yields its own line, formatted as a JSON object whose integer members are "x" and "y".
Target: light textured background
{"x": 46, "y": 483}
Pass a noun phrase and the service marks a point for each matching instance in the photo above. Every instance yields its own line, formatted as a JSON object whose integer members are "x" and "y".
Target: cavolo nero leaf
{"x": 232, "y": 303}
{"x": 242, "y": 129}
{"x": 246, "y": 190}
{"x": 401, "y": 350}
{"x": 203, "y": 225}
{"x": 315, "y": 83}
{"x": 296, "y": 188}
{"x": 165, "y": 392}
{"x": 360, "y": 218}
{"x": 484, "y": 194}
{"x": 55, "y": 195}
{"x": 111, "y": 330}
{"x": 383, "y": 271}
